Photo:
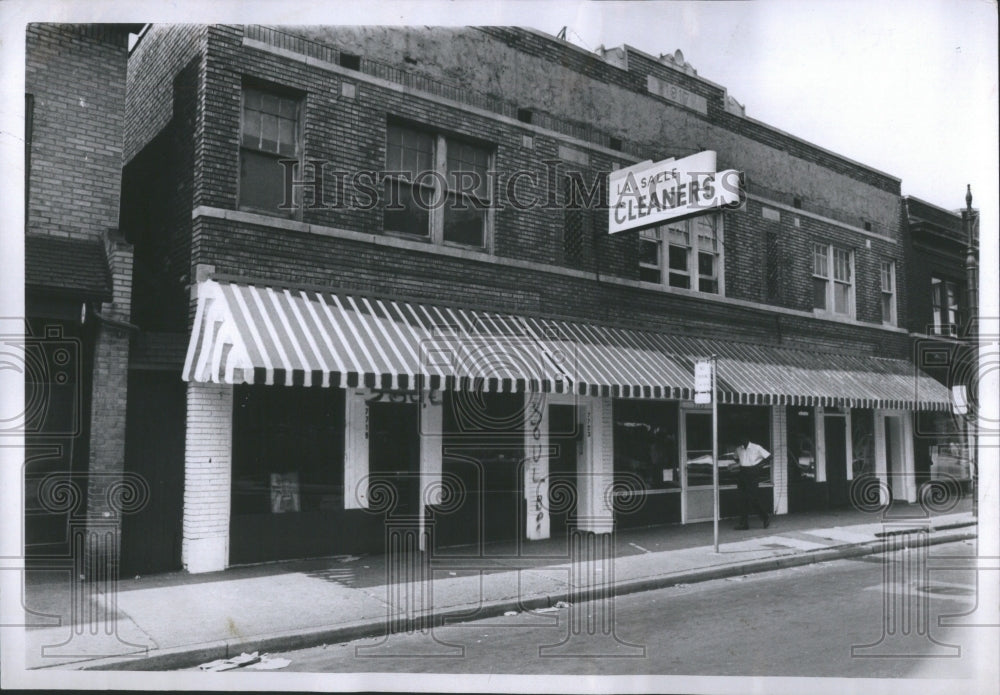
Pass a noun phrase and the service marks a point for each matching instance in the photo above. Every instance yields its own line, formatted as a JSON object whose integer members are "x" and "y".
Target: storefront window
{"x": 645, "y": 442}
{"x": 736, "y": 422}
{"x": 288, "y": 450}
{"x": 801, "y": 444}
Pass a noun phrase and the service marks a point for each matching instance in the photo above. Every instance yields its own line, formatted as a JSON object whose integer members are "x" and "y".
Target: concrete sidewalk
{"x": 177, "y": 620}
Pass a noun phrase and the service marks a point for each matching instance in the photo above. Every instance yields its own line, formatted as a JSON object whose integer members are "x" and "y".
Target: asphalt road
{"x": 795, "y": 622}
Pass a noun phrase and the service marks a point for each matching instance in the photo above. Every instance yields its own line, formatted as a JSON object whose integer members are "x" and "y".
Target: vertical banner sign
{"x": 704, "y": 393}
{"x": 703, "y": 382}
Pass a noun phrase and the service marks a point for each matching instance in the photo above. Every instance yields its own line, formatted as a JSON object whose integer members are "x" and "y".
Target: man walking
{"x": 749, "y": 456}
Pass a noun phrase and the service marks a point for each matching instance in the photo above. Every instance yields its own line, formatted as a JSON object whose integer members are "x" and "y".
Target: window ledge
{"x": 467, "y": 253}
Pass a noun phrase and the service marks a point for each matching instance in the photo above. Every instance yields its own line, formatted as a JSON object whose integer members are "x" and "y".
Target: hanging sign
{"x": 703, "y": 382}
{"x": 648, "y": 194}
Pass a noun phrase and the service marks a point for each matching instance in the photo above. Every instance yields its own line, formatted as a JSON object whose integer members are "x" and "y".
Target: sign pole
{"x": 715, "y": 458}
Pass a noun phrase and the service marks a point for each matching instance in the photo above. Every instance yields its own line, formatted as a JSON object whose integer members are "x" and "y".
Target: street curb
{"x": 192, "y": 655}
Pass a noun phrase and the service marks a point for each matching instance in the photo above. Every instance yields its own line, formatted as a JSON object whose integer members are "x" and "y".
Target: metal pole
{"x": 971, "y": 395}
{"x": 715, "y": 459}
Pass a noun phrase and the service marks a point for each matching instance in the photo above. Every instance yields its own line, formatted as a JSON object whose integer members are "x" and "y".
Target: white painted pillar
{"x": 208, "y": 447}
{"x": 595, "y": 512}
{"x": 849, "y": 445}
{"x": 356, "y": 449}
{"x": 908, "y": 458}
{"x": 779, "y": 458}
{"x": 536, "y": 466}
{"x": 881, "y": 465}
{"x": 820, "y": 445}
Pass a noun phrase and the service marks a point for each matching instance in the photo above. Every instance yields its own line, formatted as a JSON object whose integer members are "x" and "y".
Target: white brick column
{"x": 208, "y": 447}
{"x": 779, "y": 458}
{"x": 536, "y": 466}
{"x": 595, "y": 512}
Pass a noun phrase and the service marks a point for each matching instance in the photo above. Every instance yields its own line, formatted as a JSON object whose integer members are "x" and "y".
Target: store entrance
{"x": 564, "y": 442}
{"x": 835, "y": 437}
{"x": 394, "y": 453}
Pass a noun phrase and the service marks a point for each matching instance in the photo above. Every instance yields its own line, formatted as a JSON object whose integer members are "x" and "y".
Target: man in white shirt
{"x": 749, "y": 456}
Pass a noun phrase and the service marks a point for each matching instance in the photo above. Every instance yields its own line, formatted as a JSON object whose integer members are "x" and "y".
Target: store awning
{"x": 269, "y": 335}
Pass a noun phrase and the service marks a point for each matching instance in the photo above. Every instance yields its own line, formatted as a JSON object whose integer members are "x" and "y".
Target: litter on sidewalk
{"x": 253, "y": 662}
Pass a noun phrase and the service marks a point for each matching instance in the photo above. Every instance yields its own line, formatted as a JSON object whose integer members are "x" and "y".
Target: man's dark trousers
{"x": 746, "y": 482}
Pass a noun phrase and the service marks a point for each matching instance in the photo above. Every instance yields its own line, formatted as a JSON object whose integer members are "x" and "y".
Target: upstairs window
{"x": 944, "y": 306}
{"x": 888, "y": 273}
{"x": 436, "y": 187}
{"x": 270, "y": 131}
{"x": 833, "y": 280}
{"x": 686, "y": 254}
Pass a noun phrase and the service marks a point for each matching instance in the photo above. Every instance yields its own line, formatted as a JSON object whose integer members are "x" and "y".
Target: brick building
{"x": 78, "y": 276}
{"x": 941, "y": 325}
{"x": 336, "y": 354}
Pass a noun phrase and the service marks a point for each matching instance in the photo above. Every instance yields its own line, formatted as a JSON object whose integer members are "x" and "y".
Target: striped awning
{"x": 268, "y": 335}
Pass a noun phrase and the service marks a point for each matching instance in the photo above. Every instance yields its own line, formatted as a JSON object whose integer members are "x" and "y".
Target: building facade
{"x": 78, "y": 275}
{"x": 941, "y": 323}
{"x": 375, "y": 281}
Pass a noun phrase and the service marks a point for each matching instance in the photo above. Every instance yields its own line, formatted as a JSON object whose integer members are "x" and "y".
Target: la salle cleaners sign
{"x": 648, "y": 194}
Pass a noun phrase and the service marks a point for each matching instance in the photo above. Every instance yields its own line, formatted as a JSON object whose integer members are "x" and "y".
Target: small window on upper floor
{"x": 833, "y": 280}
{"x": 944, "y": 306}
{"x": 270, "y": 132}
{"x": 686, "y": 254}
{"x": 888, "y": 283}
{"x": 437, "y": 187}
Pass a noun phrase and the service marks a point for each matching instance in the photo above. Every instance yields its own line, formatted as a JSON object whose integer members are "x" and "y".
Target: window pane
{"x": 678, "y": 258}
{"x": 705, "y": 232}
{"x": 269, "y": 133}
{"x": 464, "y": 226}
{"x": 887, "y": 279}
{"x": 251, "y": 129}
{"x": 262, "y": 181}
{"x": 408, "y": 217}
{"x": 678, "y": 235}
{"x": 842, "y": 265}
{"x": 269, "y": 104}
{"x": 286, "y": 137}
{"x": 819, "y": 294}
{"x": 251, "y": 99}
{"x": 288, "y": 110}
{"x": 677, "y": 280}
{"x": 706, "y": 264}
{"x": 645, "y": 442}
{"x": 708, "y": 285}
{"x": 819, "y": 260}
{"x": 886, "y": 307}
{"x": 841, "y": 298}
{"x": 463, "y": 157}
{"x": 649, "y": 252}
{"x": 648, "y": 274}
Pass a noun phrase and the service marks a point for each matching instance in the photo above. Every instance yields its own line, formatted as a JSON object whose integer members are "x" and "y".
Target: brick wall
{"x": 207, "y": 477}
{"x": 161, "y": 53}
{"x": 349, "y": 132}
{"x": 76, "y": 74}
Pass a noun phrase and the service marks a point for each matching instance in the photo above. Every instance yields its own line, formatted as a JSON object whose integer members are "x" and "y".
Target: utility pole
{"x": 972, "y": 343}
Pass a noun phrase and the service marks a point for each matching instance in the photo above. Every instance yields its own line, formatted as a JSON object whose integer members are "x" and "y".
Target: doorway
{"x": 835, "y": 439}
{"x": 394, "y": 453}
{"x": 562, "y": 468}
{"x": 895, "y": 479}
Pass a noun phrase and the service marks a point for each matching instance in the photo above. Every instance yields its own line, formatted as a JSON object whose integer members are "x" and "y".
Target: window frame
{"x": 665, "y": 241}
{"x": 298, "y": 138}
{"x": 888, "y": 293}
{"x": 829, "y": 277}
{"x": 940, "y": 284}
{"x": 442, "y": 197}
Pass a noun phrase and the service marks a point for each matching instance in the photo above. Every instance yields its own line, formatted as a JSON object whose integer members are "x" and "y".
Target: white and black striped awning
{"x": 267, "y": 335}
